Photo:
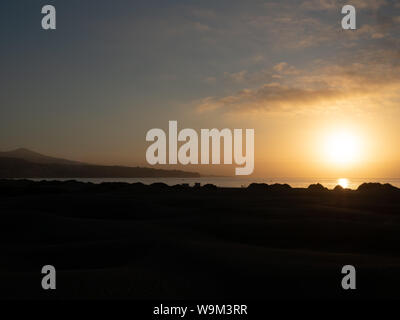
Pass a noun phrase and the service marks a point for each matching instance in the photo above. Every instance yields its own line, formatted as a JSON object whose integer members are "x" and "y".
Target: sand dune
{"x": 145, "y": 242}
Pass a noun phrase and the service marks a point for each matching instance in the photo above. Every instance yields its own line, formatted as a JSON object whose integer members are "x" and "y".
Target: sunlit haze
{"x": 323, "y": 101}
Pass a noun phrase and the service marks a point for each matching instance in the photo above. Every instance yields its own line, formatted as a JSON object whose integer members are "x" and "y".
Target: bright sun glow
{"x": 342, "y": 148}
{"x": 343, "y": 182}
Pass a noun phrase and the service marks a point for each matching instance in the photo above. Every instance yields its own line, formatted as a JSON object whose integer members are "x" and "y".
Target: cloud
{"x": 285, "y": 69}
{"x": 236, "y": 76}
{"x": 317, "y": 5}
{"x": 293, "y": 25}
{"x": 293, "y": 30}
{"x": 280, "y": 66}
{"x": 259, "y": 58}
{"x": 327, "y": 86}
{"x": 361, "y": 68}
{"x": 367, "y": 4}
{"x": 201, "y": 27}
{"x": 270, "y": 97}
{"x": 282, "y": 74}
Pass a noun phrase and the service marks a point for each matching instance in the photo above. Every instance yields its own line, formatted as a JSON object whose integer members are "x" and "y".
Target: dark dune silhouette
{"x": 119, "y": 240}
{"x": 23, "y": 163}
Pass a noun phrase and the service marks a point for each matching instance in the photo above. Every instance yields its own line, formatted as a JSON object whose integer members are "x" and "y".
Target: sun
{"x": 342, "y": 147}
{"x": 343, "y": 182}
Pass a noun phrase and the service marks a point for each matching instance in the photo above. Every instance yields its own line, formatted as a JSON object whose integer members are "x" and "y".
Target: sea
{"x": 243, "y": 182}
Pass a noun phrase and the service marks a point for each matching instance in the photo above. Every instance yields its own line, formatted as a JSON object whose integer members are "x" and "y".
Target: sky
{"x": 113, "y": 70}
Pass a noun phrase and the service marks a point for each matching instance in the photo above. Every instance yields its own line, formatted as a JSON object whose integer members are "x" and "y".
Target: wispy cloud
{"x": 360, "y": 68}
{"x": 326, "y": 86}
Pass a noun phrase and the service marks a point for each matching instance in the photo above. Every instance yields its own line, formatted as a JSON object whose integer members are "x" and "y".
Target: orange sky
{"x": 285, "y": 68}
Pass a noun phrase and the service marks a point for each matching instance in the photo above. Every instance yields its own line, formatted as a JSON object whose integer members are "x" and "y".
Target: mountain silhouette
{"x": 24, "y": 163}
{"x": 31, "y": 156}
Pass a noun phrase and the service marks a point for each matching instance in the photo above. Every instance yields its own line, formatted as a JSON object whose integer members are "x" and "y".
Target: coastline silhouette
{"x": 23, "y": 163}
